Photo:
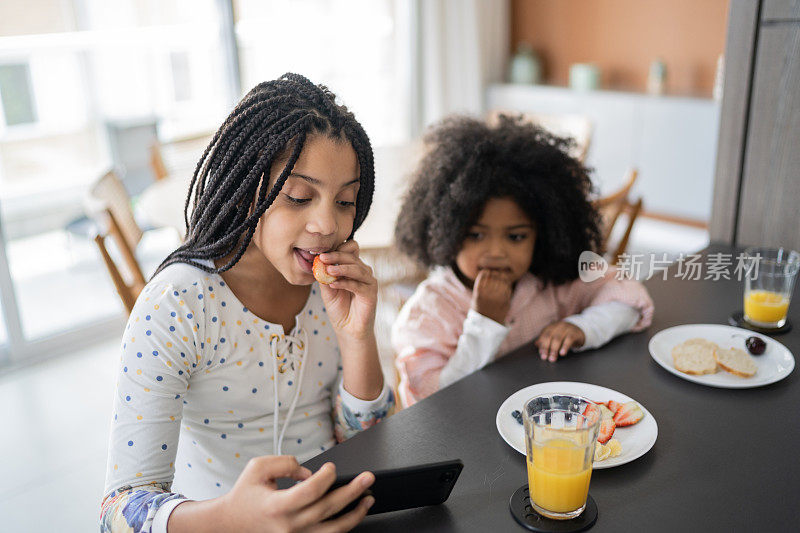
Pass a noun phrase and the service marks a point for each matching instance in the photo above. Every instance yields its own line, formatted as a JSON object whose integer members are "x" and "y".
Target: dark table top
{"x": 725, "y": 459}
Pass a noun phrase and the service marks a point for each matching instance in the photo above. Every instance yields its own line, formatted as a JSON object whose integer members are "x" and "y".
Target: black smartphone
{"x": 407, "y": 487}
{"x": 402, "y": 488}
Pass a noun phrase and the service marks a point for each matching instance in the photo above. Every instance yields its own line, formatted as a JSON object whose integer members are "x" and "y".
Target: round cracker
{"x": 736, "y": 361}
{"x": 695, "y": 356}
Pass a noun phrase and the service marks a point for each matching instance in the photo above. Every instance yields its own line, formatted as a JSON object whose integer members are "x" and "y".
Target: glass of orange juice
{"x": 771, "y": 273}
{"x": 560, "y": 435}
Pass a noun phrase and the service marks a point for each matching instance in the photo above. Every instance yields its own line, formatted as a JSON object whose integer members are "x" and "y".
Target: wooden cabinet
{"x": 769, "y": 210}
{"x": 757, "y": 184}
{"x": 671, "y": 140}
{"x": 780, "y": 10}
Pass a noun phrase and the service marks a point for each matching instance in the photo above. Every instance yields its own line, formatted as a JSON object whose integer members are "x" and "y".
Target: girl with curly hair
{"x": 501, "y": 214}
{"x": 234, "y": 358}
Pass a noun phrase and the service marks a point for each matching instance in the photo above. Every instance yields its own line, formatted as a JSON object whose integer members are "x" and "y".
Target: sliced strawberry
{"x": 592, "y": 413}
{"x": 606, "y": 413}
{"x": 607, "y": 427}
{"x": 320, "y": 274}
{"x": 613, "y": 405}
{"x": 628, "y": 414}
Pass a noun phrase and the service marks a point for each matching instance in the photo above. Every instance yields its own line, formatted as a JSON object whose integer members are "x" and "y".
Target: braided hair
{"x": 230, "y": 184}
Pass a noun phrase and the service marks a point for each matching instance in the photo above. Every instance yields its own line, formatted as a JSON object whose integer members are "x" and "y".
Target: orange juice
{"x": 765, "y": 306}
{"x": 558, "y": 478}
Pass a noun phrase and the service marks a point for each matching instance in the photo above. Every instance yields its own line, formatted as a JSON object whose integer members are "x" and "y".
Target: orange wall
{"x": 623, "y": 37}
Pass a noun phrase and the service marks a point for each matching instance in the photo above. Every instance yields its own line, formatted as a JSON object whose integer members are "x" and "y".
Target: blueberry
{"x": 517, "y": 416}
{"x": 755, "y": 345}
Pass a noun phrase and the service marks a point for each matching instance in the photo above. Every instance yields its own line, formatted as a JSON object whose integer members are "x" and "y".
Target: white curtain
{"x": 463, "y": 47}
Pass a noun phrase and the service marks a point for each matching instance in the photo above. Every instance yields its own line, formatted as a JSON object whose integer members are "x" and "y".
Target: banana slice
{"x": 615, "y": 446}
{"x": 601, "y": 452}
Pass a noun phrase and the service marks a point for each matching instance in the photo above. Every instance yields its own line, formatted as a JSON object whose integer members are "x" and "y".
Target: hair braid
{"x": 243, "y": 159}
{"x": 229, "y": 190}
{"x": 222, "y": 147}
{"x": 207, "y": 245}
{"x": 251, "y": 181}
{"x": 263, "y": 203}
{"x": 245, "y": 108}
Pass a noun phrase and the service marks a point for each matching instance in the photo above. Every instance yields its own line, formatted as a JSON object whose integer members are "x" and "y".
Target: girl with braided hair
{"x": 236, "y": 365}
{"x": 501, "y": 215}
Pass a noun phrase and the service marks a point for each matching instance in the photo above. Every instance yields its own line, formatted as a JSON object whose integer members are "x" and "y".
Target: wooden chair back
{"x": 130, "y": 282}
{"x": 611, "y": 208}
{"x": 157, "y": 165}
{"x": 108, "y": 192}
{"x": 109, "y": 205}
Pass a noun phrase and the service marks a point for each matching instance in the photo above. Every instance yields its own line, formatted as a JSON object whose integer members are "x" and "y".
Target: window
{"x": 16, "y": 94}
{"x": 359, "y": 48}
{"x": 86, "y": 85}
{"x": 85, "y": 82}
{"x": 181, "y": 76}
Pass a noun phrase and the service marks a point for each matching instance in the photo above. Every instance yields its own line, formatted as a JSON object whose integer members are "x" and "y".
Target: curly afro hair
{"x": 468, "y": 162}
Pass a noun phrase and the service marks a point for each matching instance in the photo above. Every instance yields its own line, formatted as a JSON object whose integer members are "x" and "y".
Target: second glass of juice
{"x": 560, "y": 435}
{"x": 771, "y": 273}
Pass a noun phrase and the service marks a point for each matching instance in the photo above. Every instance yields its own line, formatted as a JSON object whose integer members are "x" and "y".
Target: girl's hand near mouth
{"x": 491, "y": 294}
{"x": 350, "y": 302}
{"x": 352, "y": 298}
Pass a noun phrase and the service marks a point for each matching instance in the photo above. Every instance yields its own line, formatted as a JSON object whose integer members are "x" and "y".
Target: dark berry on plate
{"x": 517, "y": 416}
{"x": 755, "y": 345}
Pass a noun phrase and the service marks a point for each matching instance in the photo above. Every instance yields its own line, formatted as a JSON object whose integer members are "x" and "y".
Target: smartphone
{"x": 407, "y": 487}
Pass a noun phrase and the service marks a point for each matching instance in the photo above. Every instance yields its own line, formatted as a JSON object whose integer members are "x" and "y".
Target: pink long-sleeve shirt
{"x": 431, "y": 325}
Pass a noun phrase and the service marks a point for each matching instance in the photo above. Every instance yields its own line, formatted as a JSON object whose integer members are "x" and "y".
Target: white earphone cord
{"x": 290, "y": 342}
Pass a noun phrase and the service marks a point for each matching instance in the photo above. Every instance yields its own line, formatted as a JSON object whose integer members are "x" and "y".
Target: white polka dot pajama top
{"x": 195, "y": 398}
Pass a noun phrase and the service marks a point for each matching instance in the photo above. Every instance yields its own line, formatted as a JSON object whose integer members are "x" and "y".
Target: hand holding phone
{"x": 408, "y": 487}
{"x": 255, "y": 502}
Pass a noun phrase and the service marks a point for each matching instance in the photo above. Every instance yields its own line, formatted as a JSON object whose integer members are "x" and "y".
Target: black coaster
{"x": 527, "y": 517}
{"x": 737, "y": 319}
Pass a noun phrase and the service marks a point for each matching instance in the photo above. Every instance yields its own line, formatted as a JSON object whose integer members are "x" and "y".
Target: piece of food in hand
{"x": 736, "y": 361}
{"x": 755, "y": 345}
{"x": 607, "y": 428}
{"x": 615, "y": 446}
{"x": 628, "y": 414}
{"x": 320, "y": 274}
{"x": 601, "y": 452}
{"x": 695, "y": 356}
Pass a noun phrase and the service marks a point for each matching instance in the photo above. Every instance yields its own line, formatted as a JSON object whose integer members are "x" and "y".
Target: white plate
{"x": 774, "y": 364}
{"x": 636, "y": 440}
